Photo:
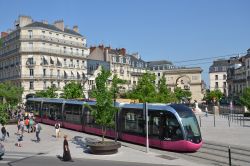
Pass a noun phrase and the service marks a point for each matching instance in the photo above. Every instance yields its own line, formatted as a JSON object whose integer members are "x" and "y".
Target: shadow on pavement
{"x": 78, "y": 140}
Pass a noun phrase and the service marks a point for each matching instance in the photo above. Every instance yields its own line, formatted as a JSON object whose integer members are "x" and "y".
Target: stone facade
{"x": 37, "y": 55}
{"x": 185, "y": 78}
{"x": 128, "y": 67}
{"x": 218, "y": 74}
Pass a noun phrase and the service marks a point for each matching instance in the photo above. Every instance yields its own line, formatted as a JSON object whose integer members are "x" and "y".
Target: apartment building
{"x": 218, "y": 73}
{"x": 239, "y": 76}
{"x": 128, "y": 67}
{"x": 37, "y": 55}
{"x": 183, "y": 77}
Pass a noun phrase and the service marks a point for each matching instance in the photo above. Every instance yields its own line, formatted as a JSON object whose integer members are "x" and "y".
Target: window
{"x": 30, "y": 33}
{"x": 31, "y": 72}
{"x": 216, "y": 77}
{"x": 58, "y": 73}
{"x": 31, "y": 84}
{"x": 65, "y": 62}
{"x": 44, "y": 72}
{"x": 216, "y": 85}
{"x": 159, "y": 74}
{"x": 44, "y": 85}
{"x": 133, "y": 121}
{"x": 224, "y": 77}
{"x": 224, "y": 84}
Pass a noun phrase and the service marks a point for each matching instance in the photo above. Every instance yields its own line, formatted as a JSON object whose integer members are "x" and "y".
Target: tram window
{"x": 154, "y": 124}
{"x": 52, "y": 111}
{"x": 88, "y": 117}
{"x": 133, "y": 121}
{"x": 171, "y": 128}
{"x": 72, "y": 113}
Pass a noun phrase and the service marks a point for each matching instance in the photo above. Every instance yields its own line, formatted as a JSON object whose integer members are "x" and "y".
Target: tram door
{"x": 156, "y": 119}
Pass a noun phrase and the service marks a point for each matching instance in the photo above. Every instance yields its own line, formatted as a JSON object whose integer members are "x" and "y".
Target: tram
{"x": 171, "y": 127}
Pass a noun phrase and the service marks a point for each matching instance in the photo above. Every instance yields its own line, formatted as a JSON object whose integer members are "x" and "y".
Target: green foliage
{"x": 10, "y": 94}
{"x": 114, "y": 87}
{"x": 145, "y": 90}
{"x": 214, "y": 95}
{"x": 73, "y": 90}
{"x": 245, "y": 98}
{"x": 164, "y": 94}
{"x": 1, "y": 42}
{"x": 105, "y": 111}
{"x": 3, "y": 114}
{"x": 49, "y": 93}
{"x": 182, "y": 94}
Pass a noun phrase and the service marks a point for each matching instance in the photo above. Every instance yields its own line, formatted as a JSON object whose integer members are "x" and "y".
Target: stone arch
{"x": 183, "y": 82}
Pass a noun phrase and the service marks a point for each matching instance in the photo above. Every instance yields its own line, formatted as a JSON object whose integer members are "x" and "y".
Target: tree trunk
{"x": 103, "y": 133}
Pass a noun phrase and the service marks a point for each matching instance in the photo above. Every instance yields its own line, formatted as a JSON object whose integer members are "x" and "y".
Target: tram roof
{"x": 179, "y": 108}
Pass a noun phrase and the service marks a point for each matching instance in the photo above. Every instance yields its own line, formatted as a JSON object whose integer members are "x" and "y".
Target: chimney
{"x": 59, "y": 24}
{"x": 101, "y": 47}
{"x": 92, "y": 49}
{"x": 4, "y": 34}
{"x": 23, "y": 21}
{"x": 122, "y": 51}
{"x": 75, "y": 28}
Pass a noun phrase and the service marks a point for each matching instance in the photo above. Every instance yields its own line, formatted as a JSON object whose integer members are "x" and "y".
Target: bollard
{"x": 214, "y": 119}
{"x": 243, "y": 121}
{"x": 228, "y": 121}
{"x": 240, "y": 119}
{"x": 229, "y": 156}
{"x": 200, "y": 120}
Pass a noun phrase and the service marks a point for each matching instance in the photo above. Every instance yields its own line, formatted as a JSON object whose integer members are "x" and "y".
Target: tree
{"x": 104, "y": 111}
{"x": 214, "y": 95}
{"x": 182, "y": 94}
{"x": 49, "y": 93}
{"x": 145, "y": 90}
{"x": 164, "y": 94}
{"x": 10, "y": 94}
{"x": 114, "y": 86}
{"x": 3, "y": 114}
{"x": 245, "y": 98}
{"x": 1, "y": 42}
{"x": 73, "y": 90}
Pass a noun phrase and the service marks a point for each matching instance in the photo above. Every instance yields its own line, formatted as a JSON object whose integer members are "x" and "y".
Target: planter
{"x": 108, "y": 147}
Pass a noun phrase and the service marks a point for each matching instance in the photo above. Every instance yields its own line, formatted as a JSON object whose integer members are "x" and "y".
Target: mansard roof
{"x": 53, "y": 27}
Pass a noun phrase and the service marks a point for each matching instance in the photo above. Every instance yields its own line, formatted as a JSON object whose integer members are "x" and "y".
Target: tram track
{"x": 210, "y": 154}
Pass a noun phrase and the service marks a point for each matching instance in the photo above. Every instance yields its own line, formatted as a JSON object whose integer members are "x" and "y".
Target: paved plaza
{"x": 129, "y": 154}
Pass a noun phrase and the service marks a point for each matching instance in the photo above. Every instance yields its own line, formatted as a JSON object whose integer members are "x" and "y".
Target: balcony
{"x": 52, "y": 39}
{"x": 52, "y": 77}
{"x": 49, "y": 51}
{"x": 30, "y": 63}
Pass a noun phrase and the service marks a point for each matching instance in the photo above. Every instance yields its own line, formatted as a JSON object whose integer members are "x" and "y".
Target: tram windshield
{"x": 189, "y": 122}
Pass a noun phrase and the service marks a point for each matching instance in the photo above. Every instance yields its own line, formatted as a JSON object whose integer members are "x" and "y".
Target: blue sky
{"x": 173, "y": 30}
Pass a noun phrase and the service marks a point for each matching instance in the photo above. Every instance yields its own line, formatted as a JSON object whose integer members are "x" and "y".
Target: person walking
{"x": 38, "y": 129}
{"x": 4, "y": 132}
{"x": 27, "y": 124}
{"x": 57, "y": 127}
{"x": 66, "y": 151}
{"x": 31, "y": 125}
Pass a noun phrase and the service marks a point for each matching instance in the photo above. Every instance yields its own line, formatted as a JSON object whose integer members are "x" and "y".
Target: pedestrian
{"x": 19, "y": 140}
{"x": 27, "y": 124}
{"x": 4, "y": 132}
{"x": 31, "y": 125}
{"x": 38, "y": 129}
{"x": 66, "y": 151}
{"x": 21, "y": 126}
{"x": 57, "y": 127}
